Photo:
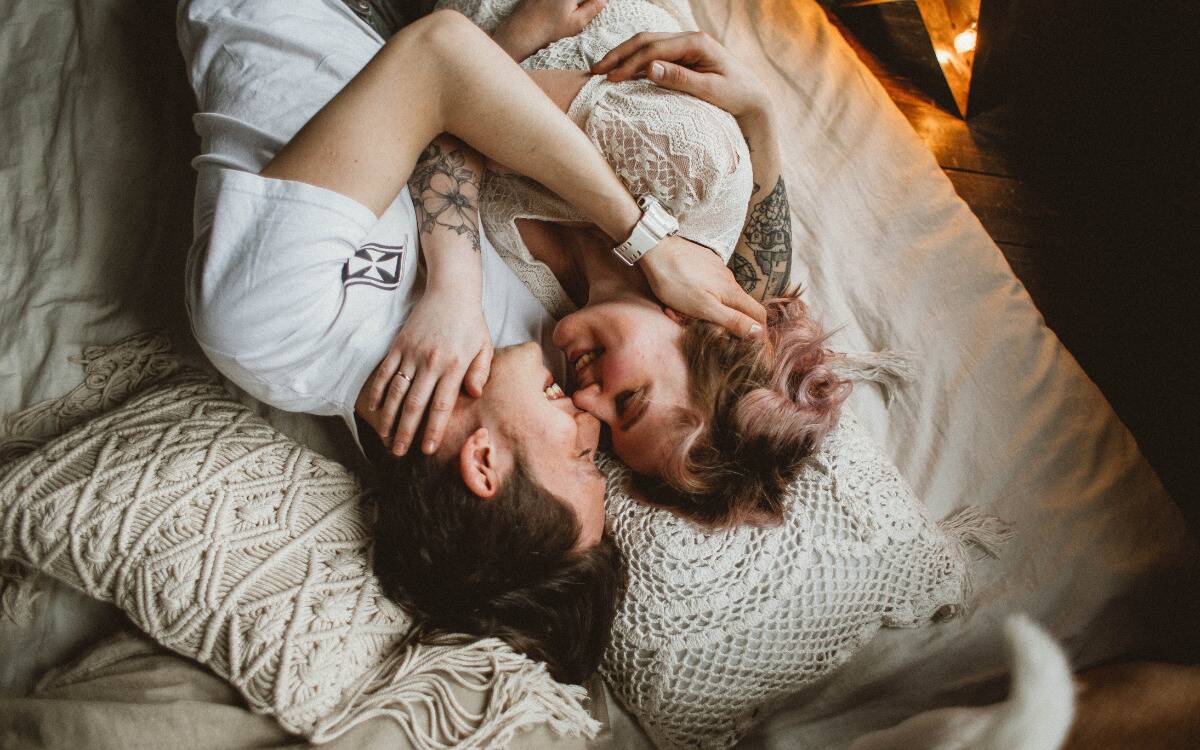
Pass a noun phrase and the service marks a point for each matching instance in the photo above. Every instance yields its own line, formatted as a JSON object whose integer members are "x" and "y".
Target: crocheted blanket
{"x": 228, "y": 542}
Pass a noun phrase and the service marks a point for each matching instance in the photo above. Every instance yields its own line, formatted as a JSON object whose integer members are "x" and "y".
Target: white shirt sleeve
{"x": 267, "y": 297}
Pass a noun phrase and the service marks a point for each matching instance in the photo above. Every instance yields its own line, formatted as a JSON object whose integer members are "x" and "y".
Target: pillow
{"x": 229, "y": 543}
{"x": 718, "y": 625}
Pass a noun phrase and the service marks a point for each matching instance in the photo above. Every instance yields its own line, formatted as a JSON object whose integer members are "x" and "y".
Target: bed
{"x": 97, "y": 207}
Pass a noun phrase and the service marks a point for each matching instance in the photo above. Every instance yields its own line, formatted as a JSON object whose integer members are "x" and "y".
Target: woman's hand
{"x": 691, "y": 62}
{"x": 536, "y": 23}
{"x": 692, "y": 280}
{"x": 441, "y": 348}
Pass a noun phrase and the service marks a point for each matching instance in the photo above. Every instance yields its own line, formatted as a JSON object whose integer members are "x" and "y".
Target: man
{"x": 305, "y": 265}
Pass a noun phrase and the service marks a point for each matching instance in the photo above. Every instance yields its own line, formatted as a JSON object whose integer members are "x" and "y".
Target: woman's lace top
{"x": 685, "y": 152}
{"x": 716, "y": 626}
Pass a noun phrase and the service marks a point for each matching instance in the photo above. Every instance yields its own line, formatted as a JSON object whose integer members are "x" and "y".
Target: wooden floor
{"x": 1092, "y": 202}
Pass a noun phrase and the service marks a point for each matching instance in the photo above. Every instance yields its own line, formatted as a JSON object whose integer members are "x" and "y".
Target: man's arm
{"x": 441, "y": 74}
{"x": 444, "y": 344}
{"x": 445, "y": 194}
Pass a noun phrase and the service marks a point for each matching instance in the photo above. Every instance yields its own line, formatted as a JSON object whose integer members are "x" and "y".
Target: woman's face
{"x": 628, "y": 371}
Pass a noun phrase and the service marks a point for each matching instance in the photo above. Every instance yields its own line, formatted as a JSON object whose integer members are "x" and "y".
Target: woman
{"x": 713, "y": 425}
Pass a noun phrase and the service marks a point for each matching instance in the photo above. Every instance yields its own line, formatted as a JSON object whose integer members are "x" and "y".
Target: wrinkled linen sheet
{"x": 96, "y": 217}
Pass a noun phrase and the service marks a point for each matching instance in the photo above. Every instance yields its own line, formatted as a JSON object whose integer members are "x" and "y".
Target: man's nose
{"x": 591, "y": 400}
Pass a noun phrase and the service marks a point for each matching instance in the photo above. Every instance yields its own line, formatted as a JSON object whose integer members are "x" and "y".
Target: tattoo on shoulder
{"x": 768, "y": 234}
{"x": 446, "y": 193}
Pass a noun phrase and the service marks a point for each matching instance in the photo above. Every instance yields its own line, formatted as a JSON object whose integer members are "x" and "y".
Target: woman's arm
{"x": 422, "y": 84}
{"x": 535, "y": 23}
{"x": 694, "y": 63}
{"x": 762, "y": 259}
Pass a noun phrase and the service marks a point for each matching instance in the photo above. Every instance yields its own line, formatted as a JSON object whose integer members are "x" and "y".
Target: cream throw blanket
{"x": 228, "y": 542}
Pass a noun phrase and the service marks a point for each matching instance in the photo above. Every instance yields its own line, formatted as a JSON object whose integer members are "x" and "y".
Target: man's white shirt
{"x": 295, "y": 291}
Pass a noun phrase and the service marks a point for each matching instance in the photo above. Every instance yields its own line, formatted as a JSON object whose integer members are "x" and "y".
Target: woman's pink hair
{"x": 761, "y": 407}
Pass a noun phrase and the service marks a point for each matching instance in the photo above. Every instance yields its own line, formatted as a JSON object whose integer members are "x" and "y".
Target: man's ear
{"x": 676, "y": 316}
{"x": 477, "y": 462}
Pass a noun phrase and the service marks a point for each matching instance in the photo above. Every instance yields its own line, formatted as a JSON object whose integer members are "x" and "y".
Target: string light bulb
{"x": 965, "y": 40}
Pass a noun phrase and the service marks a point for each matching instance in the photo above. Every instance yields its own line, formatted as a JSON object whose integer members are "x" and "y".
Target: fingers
{"x": 587, "y": 10}
{"x": 743, "y": 315}
{"x": 444, "y": 396}
{"x": 737, "y": 323}
{"x": 397, "y": 389}
{"x": 373, "y": 394}
{"x": 626, "y": 48}
{"x": 676, "y": 77}
{"x": 737, "y": 298}
{"x": 688, "y": 49}
{"x": 413, "y": 409}
{"x": 477, "y": 373}
{"x": 736, "y": 311}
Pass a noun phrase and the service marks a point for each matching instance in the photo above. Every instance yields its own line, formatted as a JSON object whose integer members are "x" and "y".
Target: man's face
{"x": 521, "y": 403}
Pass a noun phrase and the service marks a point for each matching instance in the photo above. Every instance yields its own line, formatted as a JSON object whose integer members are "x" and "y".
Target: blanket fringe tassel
{"x": 973, "y": 535}
{"x": 888, "y": 369}
{"x": 429, "y": 712}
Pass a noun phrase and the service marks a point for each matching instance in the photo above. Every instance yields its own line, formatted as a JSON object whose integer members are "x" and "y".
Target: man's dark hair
{"x": 504, "y": 567}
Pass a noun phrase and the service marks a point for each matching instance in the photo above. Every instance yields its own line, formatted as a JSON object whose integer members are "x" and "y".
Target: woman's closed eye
{"x": 623, "y": 402}
{"x": 631, "y": 405}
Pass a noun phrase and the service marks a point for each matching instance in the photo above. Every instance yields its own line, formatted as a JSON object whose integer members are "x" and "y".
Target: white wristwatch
{"x": 656, "y": 224}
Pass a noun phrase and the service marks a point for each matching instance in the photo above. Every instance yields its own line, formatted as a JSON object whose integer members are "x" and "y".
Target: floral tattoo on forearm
{"x": 768, "y": 234}
{"x": 445, "y": 193}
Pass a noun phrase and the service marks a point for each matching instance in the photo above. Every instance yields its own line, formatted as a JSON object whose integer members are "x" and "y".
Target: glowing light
{"x": 943, "y": 56}
{"x": 965, "y": 41}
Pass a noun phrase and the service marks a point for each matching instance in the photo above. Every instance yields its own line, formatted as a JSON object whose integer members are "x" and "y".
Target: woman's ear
{"x": 676, "y": 316}
{"x": 477, "y": 464}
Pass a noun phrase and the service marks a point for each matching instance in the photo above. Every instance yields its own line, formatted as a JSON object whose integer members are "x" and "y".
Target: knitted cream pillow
{"x": 230, "y": 543}
{"x": 717, "y": 626}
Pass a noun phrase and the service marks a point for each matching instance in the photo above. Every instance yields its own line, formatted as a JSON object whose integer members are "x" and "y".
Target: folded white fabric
{"x": 230, "y": 543}
{"x": 716, "y": 625}
{"x": 1037, "y": 715}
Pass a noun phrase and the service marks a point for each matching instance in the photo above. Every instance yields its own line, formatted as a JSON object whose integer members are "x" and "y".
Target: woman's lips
{"x": 584, "y": 369}
{"x": 582, "y": 360}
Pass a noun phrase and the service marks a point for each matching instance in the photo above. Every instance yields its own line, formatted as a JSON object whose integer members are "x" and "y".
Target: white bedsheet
{"x": 96, "y": 202}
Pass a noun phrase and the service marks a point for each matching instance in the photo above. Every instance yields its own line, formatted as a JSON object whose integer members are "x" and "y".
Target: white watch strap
{"x": 656, "y": 224}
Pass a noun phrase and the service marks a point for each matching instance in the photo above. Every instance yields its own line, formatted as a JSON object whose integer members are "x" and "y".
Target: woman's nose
{"x": 587, "y": 430}
{"x": 591, "y": 400}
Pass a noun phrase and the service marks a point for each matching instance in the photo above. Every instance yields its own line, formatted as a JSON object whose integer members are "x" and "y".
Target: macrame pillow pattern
{"x": 230, "y": 543}
{"x": 718, "y": 625}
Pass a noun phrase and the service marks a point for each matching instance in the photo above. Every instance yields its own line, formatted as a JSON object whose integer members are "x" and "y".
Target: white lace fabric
{"x": 688, "y": 154}
{"x": 716, "y": 626}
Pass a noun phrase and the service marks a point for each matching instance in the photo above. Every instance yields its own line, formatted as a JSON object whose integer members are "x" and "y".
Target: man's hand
{"x": 691, "y": 62}
{"x": 441, "y": 348}
{"x": 536, "y": 23}
{"x": 693, "y": 281}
